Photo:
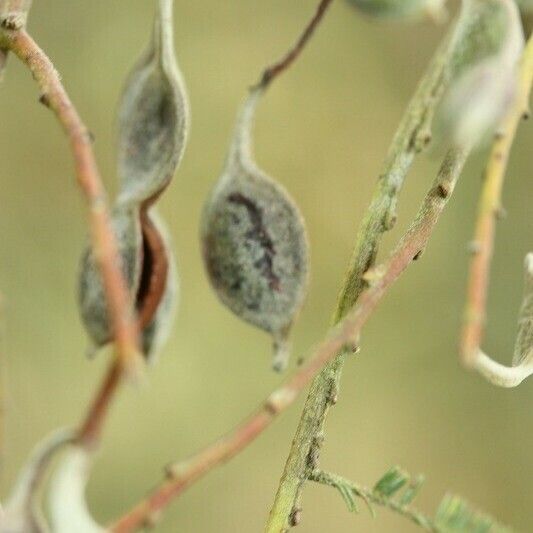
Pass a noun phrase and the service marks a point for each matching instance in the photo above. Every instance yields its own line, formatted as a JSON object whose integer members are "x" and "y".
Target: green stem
{"x": 370, "y": 496}
{"x": 413, "y": 134}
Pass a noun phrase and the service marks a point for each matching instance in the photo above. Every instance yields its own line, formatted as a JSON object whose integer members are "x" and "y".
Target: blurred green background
{"x": 323, "y": 131}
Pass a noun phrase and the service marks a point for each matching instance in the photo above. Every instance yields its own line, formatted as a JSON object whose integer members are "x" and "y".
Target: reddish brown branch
{"x": 277, "y": 68}
{"x": 89, "y": 432}
{"x": 183, "y": 475}
{"x": 104, "y": 242}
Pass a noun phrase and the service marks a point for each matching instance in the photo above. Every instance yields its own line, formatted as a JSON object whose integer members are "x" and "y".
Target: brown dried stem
{"x": 105, "y": 247}
{"x": 183, "y": 475}
{"x": 54, "y": 96}
{"x": 274, "y": 70}
{"x": 90, "y": 430}
{"x": 489, "y": 211}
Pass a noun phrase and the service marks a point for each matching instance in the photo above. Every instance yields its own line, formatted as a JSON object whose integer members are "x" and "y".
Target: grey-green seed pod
{"x": 153, "y": 125}
{"x": 483, "y": 72}
{"x": 149, "y": 271}
{"x": 254, "y": 242}
{"x": 400, "y": 9}
{"x": 153, "y": 117}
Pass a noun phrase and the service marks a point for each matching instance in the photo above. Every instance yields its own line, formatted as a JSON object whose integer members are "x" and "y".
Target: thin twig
{"x": 105, "y": 247}
{"x": 489, "y": 211}
{"x": 91, "y": 428}
{"x": 371, "y": 496}
{"x": 183, "y": 475}
{"x": 274, "y": 70}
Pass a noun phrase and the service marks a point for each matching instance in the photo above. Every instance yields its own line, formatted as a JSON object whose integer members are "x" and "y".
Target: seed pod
{"x": 153, "y": 118}
{"x": 483, "y": 71}
{"x": 396, "y": 9}
{"x": 153, "y": 124}
{"x": 254, "y": 242}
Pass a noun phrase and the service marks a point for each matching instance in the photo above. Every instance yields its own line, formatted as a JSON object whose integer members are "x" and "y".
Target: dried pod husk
{"x": 22, "y": 512}
{"x": 483, "y": 71}
{"x": 66, "y": 496}
{"x": 254, "y": 242}
{"x": 401, "y": 9}
{"x": 153, "y": 124}
{"x": 149, "y": 271}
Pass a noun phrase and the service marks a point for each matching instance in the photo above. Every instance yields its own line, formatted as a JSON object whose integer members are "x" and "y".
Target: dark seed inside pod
{"x": 146, "y": 266}
{"x": 154, "y": 272}
{"x": 254, "y": 244}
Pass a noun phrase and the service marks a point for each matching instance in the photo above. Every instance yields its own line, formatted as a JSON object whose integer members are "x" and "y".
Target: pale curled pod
{"x": 487, "y": 45}
{"x": 522, "y": 364}
{"x": 66, "y": 495}
{"x": 153, "y": 125}
{"x": 22, "y": 511}
{"x": 401, "y": 9}
{"x": 254, "y": 241}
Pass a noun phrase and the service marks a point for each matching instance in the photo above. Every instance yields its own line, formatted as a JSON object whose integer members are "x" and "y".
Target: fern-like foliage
{"x": 397, "y": 490}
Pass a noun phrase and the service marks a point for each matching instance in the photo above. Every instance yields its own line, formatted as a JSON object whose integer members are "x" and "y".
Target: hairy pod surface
{"x": 153, "y": 125}
{"x": 254, "y": 242}
{"x": 399, "y": 9}
{"x": 483, "y": 70}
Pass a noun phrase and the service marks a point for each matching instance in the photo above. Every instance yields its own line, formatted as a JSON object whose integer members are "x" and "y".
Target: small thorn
{"x": 352, "y": 347}
{"x": 296, "y": 516}
{"x": 418, "y": 255}
{"x": 526, "y": 114}
{"x": 443, "y": 191}
{"x": 500, "y": 213}
{"x": 43, "y": 99}
{"x": 473, "y": 247}
{"x": 151, "y": 521}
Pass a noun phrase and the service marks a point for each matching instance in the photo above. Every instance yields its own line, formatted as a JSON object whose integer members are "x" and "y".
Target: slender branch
{"x": 371, "y": 496}
{"x": 183, "y": 475}
{"x": 489, "y": 211}
{"x": 90, "y": 430}
{"x": 103, "y": 238}
{"x": 303, "y": 458}
{"x": 412, "y": 135}
{"x": 274, "y": 70}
